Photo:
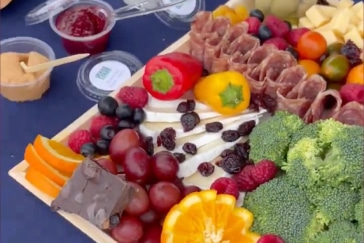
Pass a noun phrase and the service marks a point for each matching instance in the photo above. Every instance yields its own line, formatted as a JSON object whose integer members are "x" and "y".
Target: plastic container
{"x": 31, "y": 90}
{"x": 103, "y": 73}
{"x": 56, "y": 10}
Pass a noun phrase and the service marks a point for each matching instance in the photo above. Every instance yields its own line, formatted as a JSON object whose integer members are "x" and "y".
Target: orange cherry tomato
{"x": 311, "y": 45}
{"x": 310, "y": 66}
{"x": 356, "y": 75}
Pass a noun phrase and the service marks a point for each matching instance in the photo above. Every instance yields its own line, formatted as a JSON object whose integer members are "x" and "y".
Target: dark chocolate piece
{"x": 94, "y": 194}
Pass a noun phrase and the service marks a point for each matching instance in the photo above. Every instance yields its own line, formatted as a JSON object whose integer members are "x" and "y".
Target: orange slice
{"x": 41, "y": 182}
{"x": 35, "y": 161}
{"x": 207, "y": 217}
{"x": 58, "y": 155}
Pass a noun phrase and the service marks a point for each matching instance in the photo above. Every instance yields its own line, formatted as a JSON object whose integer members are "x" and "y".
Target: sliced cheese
{"x": 355, "y": 37}
{"x": 358, "y": 8}
{"x": 305, "y": 23}
{"x": 316, "y": 17}
{"x": 345, "y": 4}
{"x": 329, "y": 11}
{"x": 340, "y": 21}
{"x": 329, "y": 36}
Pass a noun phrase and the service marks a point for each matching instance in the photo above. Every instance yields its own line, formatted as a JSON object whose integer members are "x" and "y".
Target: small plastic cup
{"x": 31, "y": 90}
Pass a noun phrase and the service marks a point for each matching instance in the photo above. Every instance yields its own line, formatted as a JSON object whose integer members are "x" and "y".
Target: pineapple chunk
{"x": 355, "y": 37}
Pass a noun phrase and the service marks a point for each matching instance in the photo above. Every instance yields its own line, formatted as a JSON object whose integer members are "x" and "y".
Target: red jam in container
{"x": 83, "y": 25}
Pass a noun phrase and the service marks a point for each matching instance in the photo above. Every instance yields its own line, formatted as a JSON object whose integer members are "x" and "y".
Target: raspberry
{"x": 98, "y": 122}
{"x": 352, "y": 92}
{"x": 254, "y": 24}
{"x": 79, "y": 138}
{"x": 245, "y": 180}
{"x": 277, "y": 26}
{"x": 264, "y": 171}
{"x": 270, "y": 238}
{"x": 278, "y": 42}
{"x": 225, "y": 185}
{"x": 135, "y": 97}
{"x": 294, "y": 35}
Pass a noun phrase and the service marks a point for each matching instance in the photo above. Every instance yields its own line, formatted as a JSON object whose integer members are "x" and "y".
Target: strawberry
{"x": 245, "y": 180}
{"x": 135, "y": 97}
{"x": 264, "y": 171}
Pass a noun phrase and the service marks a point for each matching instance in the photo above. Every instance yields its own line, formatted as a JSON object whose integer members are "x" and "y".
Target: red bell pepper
{"x": 169, "y": 76}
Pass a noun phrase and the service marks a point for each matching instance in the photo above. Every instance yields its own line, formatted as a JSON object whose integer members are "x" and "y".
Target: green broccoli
{"x": 309, "y": 131}
{"x": 279, "y": 208}
{"x": 339, "y": 232}
{"x": 359, "y": 212}
{"x": 271, "y": 138}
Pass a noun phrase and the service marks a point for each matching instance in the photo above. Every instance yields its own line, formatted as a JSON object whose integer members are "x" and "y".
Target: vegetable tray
{"x": 18, "y": 171}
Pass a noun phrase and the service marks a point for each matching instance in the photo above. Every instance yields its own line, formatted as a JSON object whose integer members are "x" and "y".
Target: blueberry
{"x": 288, "y": 24}
{"x": 257, "y": 14}
{"x": 107, "y": 132}
{"x": 139, "y": 116}
{"x": 293, "y": 52}
{"x": 125, "y": 124}
{"x": 264, "y": 33}
{"x": 102, "y": 146}
{"x": 124, "y": 112}
{"x": 107, "y": 106}
{"x": 88, "y": 149}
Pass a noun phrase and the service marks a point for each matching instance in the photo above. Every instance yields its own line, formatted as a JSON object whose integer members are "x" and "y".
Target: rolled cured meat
{"x": 197, "y": 47}
{"x": 212, "y": 48}
{"x": 351, "y": 113}
{"x": 202, "y": 22}
{"x": 297, "y": 106}
{"x": 259, "y": 54}
{"x": 325, "y": 105}
{"x": 272, "y": 66}
{"x": 234, "y": 32}
{"x": 237, "y": 62}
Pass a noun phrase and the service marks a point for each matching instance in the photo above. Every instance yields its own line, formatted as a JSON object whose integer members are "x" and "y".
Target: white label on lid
{"x": 109, "y": 75}
{"x": 185, "y": 8}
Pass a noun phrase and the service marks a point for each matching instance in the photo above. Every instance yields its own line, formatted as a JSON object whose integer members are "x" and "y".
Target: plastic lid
{"x": 103, "y": 73}
{"x": 180, "y": 16}
{"x": 47, "y": 9}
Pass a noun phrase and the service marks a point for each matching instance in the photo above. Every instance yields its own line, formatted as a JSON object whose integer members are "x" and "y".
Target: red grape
{"x": 122, "y": 141}
{"x": 149, "y": 217}
{"x": 189, "y": 189}
{"x": 152, "y": 234}
{"x": 164, "y": 165}
{"x": 108, "y": 165}
{"x": 130, "y": 229}
{"x": 136, "y": 165}
{"x": 164, "y": 195}
{"x": 139, "y": 204}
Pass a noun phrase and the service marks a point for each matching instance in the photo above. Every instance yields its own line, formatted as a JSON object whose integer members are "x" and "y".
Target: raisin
{"x": 226, "y": 152}
{"x": 182, "y": 107}
{"x": 180, "y": 157}
{"x": 242, "y": 150}
{"x": 149, "y": 146}
{"x": 246, "y": 128}
{"x": 232, "y": 164}
{"x": 167, "y": 138}
{"x": 189, "y": 121}
{"x": 191, "y": 105}
{"x": 352, "y": 53}
{"x": 189, "y": 148}
{"x": 230, "y": 135}
{"x": 206, "y": 169}
{"x": 213, "y": 126}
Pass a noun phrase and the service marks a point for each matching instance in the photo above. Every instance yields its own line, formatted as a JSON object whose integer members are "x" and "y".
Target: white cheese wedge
{"x": 316, "y": 17}
{"x": 354, "y": 35}
{"x": 172, "y": 104}
{"x": 340, "y": 21}
{"x": 305, "y": 23}
{"x": 329, "y": 11}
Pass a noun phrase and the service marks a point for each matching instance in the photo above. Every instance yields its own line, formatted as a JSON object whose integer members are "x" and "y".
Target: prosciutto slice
{"x": 257, "y": 86}
{"x": 237, "y": 63}
{"x": 298, "y": 106}
{"x": 212, "y": 49}
{"x": 236, "y": 31}
{"x": 244, "y": 44}
{"x": 274, "y": 64}
{"x": 197, "y": 47}
{"x": 351, "y": 113}
{"x": 202, "y": 20}
{"x": 325, "y": 105}
{"x": 259, "y": 54}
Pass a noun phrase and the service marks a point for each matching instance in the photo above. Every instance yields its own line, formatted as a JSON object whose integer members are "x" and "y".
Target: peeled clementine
{"x": 356, "y": 75}
{"x": 57, "y": 155}
{"x": 310, "y": 66}
{"x": 207, "y": 217}
{"x": 35, "y": 161}
{"x": 41, "y": 182}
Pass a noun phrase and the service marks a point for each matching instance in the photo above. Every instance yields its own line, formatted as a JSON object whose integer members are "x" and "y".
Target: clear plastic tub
{"x": 30, "y": 90}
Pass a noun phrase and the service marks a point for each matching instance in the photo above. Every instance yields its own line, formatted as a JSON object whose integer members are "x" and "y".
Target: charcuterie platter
{"x": 247, "y": 129}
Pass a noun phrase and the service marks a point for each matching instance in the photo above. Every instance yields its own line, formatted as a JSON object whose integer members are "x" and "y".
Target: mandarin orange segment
{"x": 208, "y": 198}
{"x": 193, "y": 207}
{"x": 40, "y": 181}
{"x": 179, "y": 222}
{"x": 35, "y": 161}
{"x": 56, "y": 154}
{"x": 240, "y": 221}
{"x": 224, "y": 206}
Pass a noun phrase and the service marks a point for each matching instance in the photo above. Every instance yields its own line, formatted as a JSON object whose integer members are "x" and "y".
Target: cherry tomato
{"x": 310, "y": 66}
{"x": 335, "y": 68}
{"x": 311, "y": 45}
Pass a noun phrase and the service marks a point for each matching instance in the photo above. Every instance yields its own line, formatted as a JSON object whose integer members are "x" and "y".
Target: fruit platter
{"x": 248, "y": 129}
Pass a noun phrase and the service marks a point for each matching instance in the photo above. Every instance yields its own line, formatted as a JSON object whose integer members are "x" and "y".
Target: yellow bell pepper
{"x": 227, "y": 93}
{"x": 227, "y": 12}
{"x": 241, "y": 11}
{"x": 221, "y": 10}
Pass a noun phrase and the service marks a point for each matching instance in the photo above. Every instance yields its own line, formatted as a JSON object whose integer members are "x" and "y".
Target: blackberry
{"x": 352, "y": 53}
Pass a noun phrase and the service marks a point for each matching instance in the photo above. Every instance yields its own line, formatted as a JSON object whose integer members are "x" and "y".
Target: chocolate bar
{"x": 94, "y": 194}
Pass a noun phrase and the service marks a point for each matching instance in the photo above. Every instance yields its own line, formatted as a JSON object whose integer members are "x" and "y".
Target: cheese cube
{"x": 316, "y": 17}
{"x": 358, "y": 8}
{"x": 304, "y": 22}
{"x": 360, "y": 15}
{"x": 333, "y": 3}
{"x": 328, "y": 11}
{"x": 340, "y": 21}
{"x": 329, "y": 36}
{"x": 355, "y": 37}
{"x": 360, "y": 29}
{"x": 345, "y": 4}
{"x": 324, "y": 27}
{"x": 350, "y": 28}
{"x": 355, "y": 19}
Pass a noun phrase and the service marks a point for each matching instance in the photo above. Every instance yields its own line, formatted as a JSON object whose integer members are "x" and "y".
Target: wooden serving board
{"x": 18, "y": 171}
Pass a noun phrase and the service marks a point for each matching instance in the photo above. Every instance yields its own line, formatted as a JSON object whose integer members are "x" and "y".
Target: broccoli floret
{"x": 279, "y": 208}
{"x": 340, "y": 232}
{"x": 309, "y": 131}
{"x": 271, "y": 138}
{"x": 359, "y": 213}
